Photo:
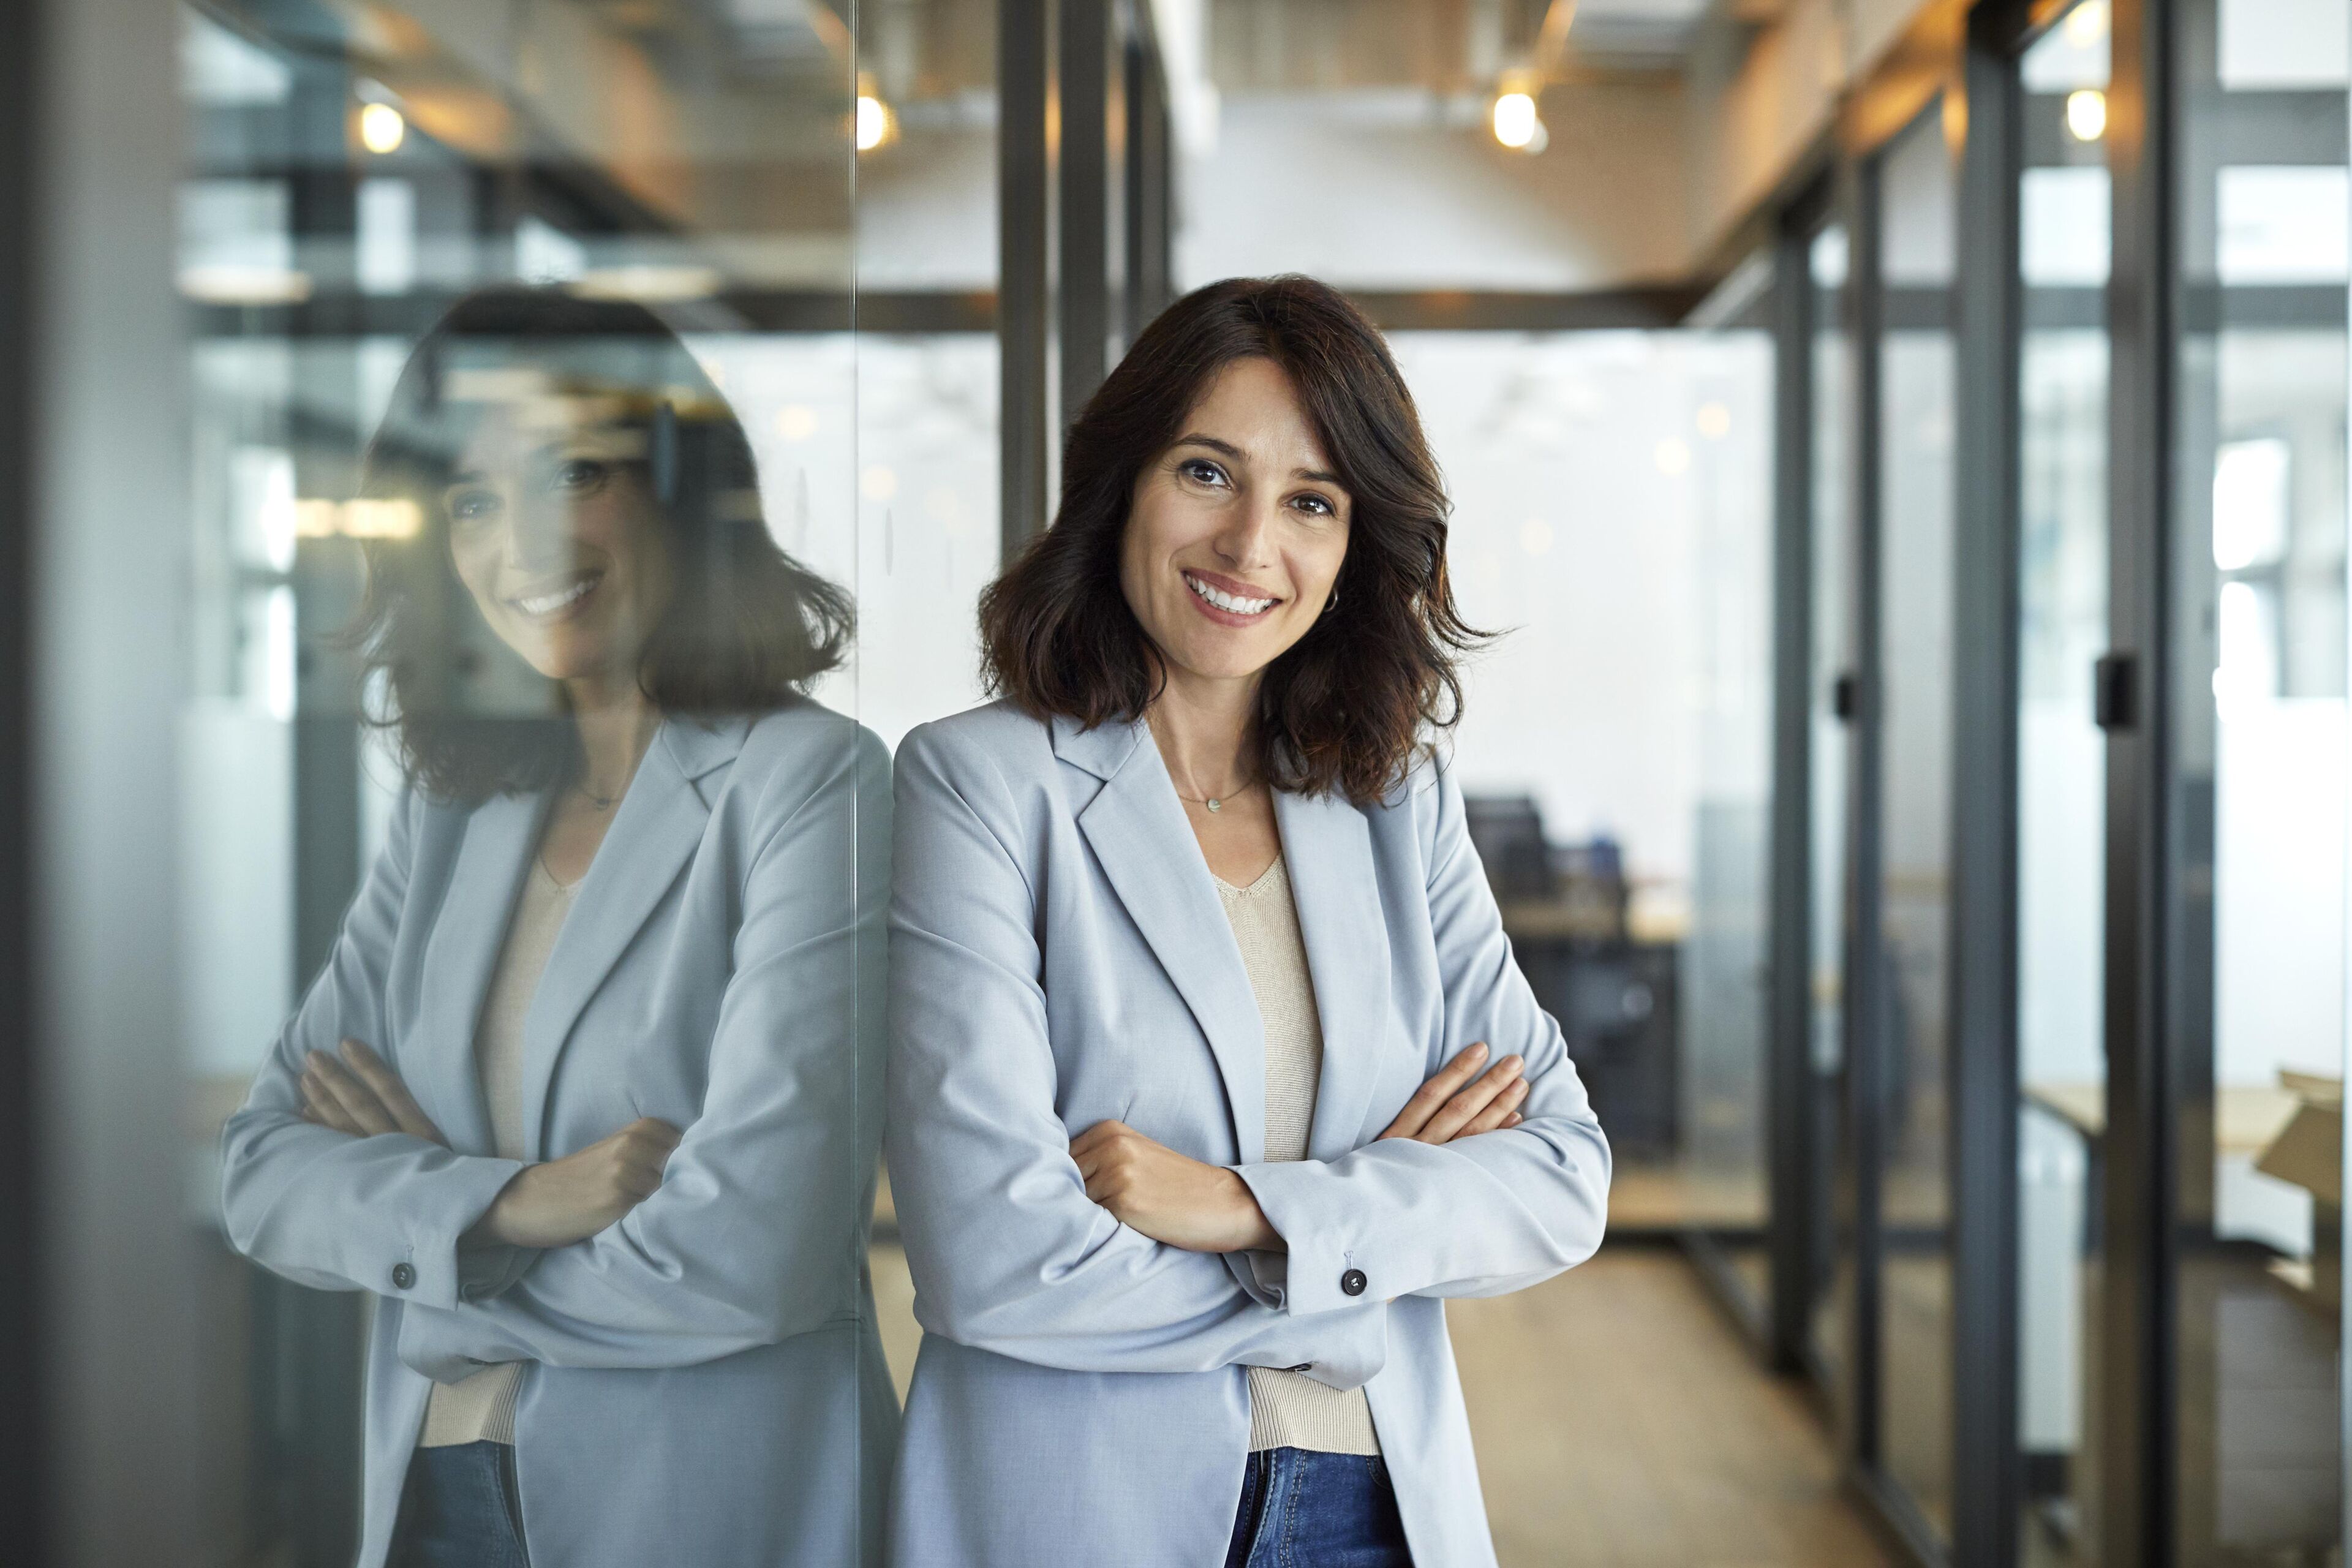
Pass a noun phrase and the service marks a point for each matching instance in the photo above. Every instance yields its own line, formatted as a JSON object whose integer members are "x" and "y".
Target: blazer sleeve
{"x": 756, "y": 1233}
{"x": 339, "y": 1213}
{"x": 1480, "y": 1216}
{"x": 1008, "y": 1253}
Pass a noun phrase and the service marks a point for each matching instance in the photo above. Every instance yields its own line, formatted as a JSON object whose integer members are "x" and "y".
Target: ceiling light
{"x": 647, "y": 281}
{"x": 229, "y": 284}
{"x": 382, "y": 128}
{"x": 1515, "y": 123}
{"x": 878, "y": 124}
{"x": 2086, "y": 113}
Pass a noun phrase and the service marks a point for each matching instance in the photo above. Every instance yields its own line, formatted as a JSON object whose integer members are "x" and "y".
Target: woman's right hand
{"x": 1450, "y": 1105}
{"x": 570, "y": 1199}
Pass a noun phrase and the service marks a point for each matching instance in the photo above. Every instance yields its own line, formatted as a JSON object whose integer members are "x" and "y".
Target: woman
{"x": 1210, "y": 1073}
{"x": 588, "y": 1093}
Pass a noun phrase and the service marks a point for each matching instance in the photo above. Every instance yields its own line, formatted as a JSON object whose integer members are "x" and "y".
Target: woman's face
{"x": 1235, "y": 533}
{"x": 556, "y": 535}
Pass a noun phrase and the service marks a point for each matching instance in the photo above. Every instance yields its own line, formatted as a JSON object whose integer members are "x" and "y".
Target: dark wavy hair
{"x": 1351, "y": 705}
{"x": 746, "y": 628}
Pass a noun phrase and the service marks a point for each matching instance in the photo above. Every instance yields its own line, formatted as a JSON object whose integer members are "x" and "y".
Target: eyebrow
{"x": 1238, "y": 456}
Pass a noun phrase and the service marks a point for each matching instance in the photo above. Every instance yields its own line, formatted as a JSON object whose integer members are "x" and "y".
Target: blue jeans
{"x": 460, "y": 1510}
{"x": 1304, "y": 1509}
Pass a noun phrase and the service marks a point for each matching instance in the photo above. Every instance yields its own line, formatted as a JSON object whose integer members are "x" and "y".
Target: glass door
{"x": 641, "y": 217}
{"x": 2258, "y": 782}
{"x": 2061, "y": 566}
{"x": 1905, "y": 924}
{"x": 1830, "y": 710}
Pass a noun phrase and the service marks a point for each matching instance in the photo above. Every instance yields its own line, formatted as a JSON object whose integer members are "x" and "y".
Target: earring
{"x": 1332, "y": 602}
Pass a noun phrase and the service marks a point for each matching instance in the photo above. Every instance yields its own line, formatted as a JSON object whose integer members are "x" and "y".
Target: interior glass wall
{"x": 1917, "y": 200}
{"x": 1727, "y": 955}
{"x": 2063, "y": 247}
{"x": 679, "y": 179}
{"x": 1611, "y": 520}
{"x": 2258, "y": 875}
{"x": 928, "y": 540}
{"x": 1830, "y": 701}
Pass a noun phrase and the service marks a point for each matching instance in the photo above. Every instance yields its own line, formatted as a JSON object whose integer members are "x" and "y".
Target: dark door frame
{"x": 1987, "y": 1464}
{"x": 1796, "y": 1204}
{"x": 2137, "y": 1329}
{"x": 1863, "y": 1149}
{"x": 1084, "y": 224}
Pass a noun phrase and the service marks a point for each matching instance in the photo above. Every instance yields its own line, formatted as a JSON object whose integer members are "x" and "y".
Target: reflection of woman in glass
{"x": 582, "y": 1095}
{"x": 1212, "y": 1074}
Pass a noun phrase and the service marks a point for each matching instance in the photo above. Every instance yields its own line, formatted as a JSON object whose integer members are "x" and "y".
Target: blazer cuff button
{"x": 1351, "y": 1283}
{"x": 403, "y": 1277}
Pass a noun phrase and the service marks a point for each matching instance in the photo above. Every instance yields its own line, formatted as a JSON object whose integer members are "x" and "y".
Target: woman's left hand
{"x": 361, "y": 1095}
{"x": 1168, "y": 1197}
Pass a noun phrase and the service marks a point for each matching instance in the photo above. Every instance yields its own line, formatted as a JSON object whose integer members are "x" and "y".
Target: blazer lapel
{"x": 438, "y": 1064}
{"x": 1139, "y": 835}
{"x": 653, "y": 837}
{"x": 1327, "y": 846}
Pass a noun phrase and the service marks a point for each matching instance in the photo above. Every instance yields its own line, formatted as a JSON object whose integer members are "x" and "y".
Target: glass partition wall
{"x": 1612, "y": 516}
{"x": 658, "y": 199}
{"x": 2257, "y": 781}
{"x": 1912, "y": 710}
{"x": 2170, "y": 956}
{"x": 1829, "y": 702}
{"x": 353, "y": 294}
{"x": 2061, "y": 595}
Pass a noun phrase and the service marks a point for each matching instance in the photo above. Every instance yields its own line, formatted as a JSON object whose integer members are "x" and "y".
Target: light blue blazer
{"x": 706, "y": 1385}
{"x": 1059, "y": 957}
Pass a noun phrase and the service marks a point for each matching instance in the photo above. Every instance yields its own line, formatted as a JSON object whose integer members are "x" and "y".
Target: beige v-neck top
{"x": 481, "y": 1407}
{"x": 1289, "y": 1409}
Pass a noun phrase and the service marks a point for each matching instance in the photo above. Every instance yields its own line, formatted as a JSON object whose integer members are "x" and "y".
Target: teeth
{"x": 1224, "y": 601}
{"x": 548, "y": 604}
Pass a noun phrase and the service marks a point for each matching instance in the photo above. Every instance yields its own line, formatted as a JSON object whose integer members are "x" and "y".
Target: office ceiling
{"x": 1437, "y": 46}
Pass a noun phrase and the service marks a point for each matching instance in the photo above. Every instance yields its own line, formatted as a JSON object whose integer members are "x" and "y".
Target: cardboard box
{"x": 2309, "y": 1152}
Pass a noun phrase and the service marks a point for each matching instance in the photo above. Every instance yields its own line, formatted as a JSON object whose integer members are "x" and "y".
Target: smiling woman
{"x": 1251, "y": 388}
{"x": 1210, "y": 1073}
{"x": 583, "y": 1096}
{"x": 590, "y": 492}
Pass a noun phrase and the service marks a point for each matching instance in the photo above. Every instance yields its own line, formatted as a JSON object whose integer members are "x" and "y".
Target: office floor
{"x": 1619, "y": 1423}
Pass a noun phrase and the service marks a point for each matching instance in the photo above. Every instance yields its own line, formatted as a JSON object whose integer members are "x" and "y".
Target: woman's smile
{"x": 564, "y": 599}
{"x": 1225, "y": 600}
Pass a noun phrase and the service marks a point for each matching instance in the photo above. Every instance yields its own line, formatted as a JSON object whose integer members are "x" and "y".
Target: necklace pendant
{"x": 1216, "y": 806}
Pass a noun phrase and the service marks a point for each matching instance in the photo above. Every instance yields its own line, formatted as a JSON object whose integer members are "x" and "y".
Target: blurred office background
{"x": 1905, "y": 444}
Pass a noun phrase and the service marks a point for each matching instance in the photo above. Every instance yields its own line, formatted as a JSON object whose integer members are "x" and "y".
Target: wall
{"x": 1399, "y": 190}
{"x": 109, "y": 553}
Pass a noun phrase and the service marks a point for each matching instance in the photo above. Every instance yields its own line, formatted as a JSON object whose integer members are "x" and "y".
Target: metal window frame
{"x": 1988, "y": 1468}
{"x": 1085, "y": 198}
{"x": 1792, "y": 1131}
{"x": 1025, "y": 180}
{"x": 1150, "y": 210}
{"x": 1084, "y": 47}
{"x": 1861, "y": 1149}
{"x": 2138, "y": 1330}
